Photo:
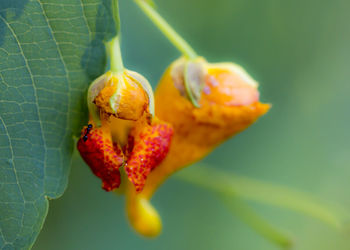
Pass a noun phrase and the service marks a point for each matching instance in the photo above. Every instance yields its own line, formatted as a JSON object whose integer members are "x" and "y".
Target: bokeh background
{"x": 299, "y": 51}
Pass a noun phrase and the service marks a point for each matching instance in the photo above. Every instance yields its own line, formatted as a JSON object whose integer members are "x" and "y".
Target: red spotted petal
{"x": 150, "y": 146}
{"x": 104, "y": 158}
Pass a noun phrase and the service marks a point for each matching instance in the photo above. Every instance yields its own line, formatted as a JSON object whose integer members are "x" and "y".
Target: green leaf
{"x": 50, "y": 50}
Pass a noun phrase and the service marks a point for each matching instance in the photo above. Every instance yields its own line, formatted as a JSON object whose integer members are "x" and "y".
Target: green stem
{"x": 167, "y": 30}
{"x": 114, "y": 52}
{"x": 113, "y": 46}
{"x": 249, "y": 189}
{"x": 115, "y": 12}
{"x": 256, "y": 222}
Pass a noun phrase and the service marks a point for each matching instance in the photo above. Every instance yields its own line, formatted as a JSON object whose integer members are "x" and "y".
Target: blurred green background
{"x": 299, "y": 51}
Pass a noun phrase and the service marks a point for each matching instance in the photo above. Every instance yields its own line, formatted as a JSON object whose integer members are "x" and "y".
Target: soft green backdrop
{"x": 299, "y": 52}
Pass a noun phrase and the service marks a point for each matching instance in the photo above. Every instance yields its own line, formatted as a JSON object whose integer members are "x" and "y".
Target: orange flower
{"x": 122, "y": 130}
{"x": 228, "y": 102}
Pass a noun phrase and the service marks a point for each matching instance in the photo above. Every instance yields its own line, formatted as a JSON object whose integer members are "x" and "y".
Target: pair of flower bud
{"x": 198, "y": 105}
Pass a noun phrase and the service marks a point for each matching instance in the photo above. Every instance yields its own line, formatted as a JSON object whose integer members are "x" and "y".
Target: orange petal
{"x": 104, "y": 159}
{"x": 147, "y": 147}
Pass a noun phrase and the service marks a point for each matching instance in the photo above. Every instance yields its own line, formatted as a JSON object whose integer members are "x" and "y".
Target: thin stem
{"x": 113, "y": 46}
{"x": 115, "y": 12}
{"x": 116, "y": 61}
{"x": 256, "y": 222}
{"x": 249, "y": 189}
{"x": 167, "y": 30}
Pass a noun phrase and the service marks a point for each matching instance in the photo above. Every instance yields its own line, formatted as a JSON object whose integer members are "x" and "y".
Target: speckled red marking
{"x": 102, "y": 156}
{"x": 150, "y": 146}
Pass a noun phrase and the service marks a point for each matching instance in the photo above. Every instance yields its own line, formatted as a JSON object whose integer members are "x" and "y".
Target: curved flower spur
{"x": 122, "y": 129}
{"x": 205, "y": 103}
